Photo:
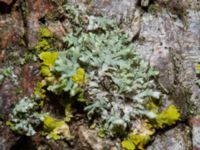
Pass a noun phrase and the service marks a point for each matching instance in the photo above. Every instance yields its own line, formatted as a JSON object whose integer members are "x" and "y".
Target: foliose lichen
{"x": 25, "y": 117}
{"x": 100, "y": 67}
{"x": 101, "y": 64}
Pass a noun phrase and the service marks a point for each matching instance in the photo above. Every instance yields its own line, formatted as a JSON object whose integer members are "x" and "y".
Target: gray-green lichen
{"x": 9, "y": 73}
{"x": 118, "y": 82}
{"x": 24, "y": 118}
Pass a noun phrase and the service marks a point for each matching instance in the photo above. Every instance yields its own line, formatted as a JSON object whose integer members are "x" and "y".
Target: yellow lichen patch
{"x": 167, "y": 117}
{"x": 79, "y": 76}
{"x": 56, "y": 129}
{"x": 45, "y": 33}
{"x": 151, "y": 106}
{"x": 39, "y": 91}
{"x": 144, "y": 128}
{"x": 139, "y": 137}
{"x": 128, "y": 145}
{"x": 68, "y": 112}
{"x": 42, "y": 45}
{"x": 48, "y": 59}
{"x": 198, "y": 68}
{"x": 135, "y": 141}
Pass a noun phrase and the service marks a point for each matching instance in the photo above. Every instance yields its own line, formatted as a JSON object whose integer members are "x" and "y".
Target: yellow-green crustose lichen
{"x": 138, "y": 139}
{"x": 44, "y": 43}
